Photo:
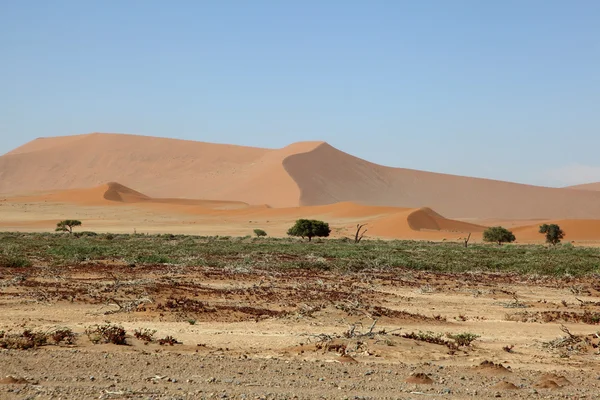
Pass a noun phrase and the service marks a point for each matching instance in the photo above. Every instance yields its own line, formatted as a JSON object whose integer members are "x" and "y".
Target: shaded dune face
{"x": 327, "y": 175}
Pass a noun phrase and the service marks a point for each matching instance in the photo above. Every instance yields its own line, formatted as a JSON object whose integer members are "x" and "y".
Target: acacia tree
{"x": 67, "y": 225}
{"x": 309, "y": 228}
{"x": 553, "y": 233}
{"x": 498, "y": 234}
{"x": 260, "y": 232}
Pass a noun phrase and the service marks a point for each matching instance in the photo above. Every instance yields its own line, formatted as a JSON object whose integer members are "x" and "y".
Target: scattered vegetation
{"x": 25, "y": 249}
{"x": 29, "y": 339}
{"x": 67, "y": 225}
{"x": 14, "y": 261}
{"x": 553, "y": 233}
{"x": 498, "y": 234}
{"x": 309, "y": 228}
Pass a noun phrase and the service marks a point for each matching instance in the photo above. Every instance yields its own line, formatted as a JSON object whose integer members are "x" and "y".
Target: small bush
{"x": 144, "y": 334}
{"x": 67, "y": 225}
{"x": 23, "y": 341}
{"x": 260, "y": 233}
{"x": 463, "y": 339}
{"x": 106, "y": 333}
{"x": 61, "y": 335}
{"x": 85, "y": 234}
{"x": 14, "y": 262}
{"x": 170, "y": 340}
{"x": 153, "y": 259}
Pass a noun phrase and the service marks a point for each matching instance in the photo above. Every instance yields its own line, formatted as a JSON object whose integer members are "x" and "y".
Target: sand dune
{"x": 155, "y": 166}
{"x": 419, "y": 223}
{"x": 327, "y": 175}
{"x": 587, "y": 186}
{"x": 302, "y": 174}
{"x": 114, "y": 193}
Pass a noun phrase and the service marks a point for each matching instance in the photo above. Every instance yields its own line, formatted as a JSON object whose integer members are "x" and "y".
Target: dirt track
{"x": 262, "y": 334}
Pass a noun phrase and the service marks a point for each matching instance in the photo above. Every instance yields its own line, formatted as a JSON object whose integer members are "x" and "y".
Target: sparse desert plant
{"x": 553, "y": 233}
{"x": 60, "y": 335}
{"x": 170, "y": 340}
{"x": 144, "y": 334}
{"x": 106, "y": 333}
{"x": 260, "y": 233}
{"x": 498, "y": 235}
{"x": 508, "y": 348}
{"x": 28, "y": 339}
{"x": 67, "y": 225}
{"x": 309, "y": 228}
{"x": 463, "y": 339}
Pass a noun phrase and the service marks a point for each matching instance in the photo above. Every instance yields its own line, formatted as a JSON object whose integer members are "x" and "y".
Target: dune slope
{"x": 327, "y": 175}
{"x": 586, "y": 186}
{"x": 158, "y": 167}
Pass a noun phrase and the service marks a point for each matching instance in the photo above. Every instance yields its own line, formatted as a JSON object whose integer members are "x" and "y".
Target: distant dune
{"x": 302, "y": 174}
{"x": 114, "y": 193}
{"x": 587, "y": 186}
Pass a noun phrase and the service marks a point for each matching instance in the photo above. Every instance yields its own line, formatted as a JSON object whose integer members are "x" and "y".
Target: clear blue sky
{"x": 501, "y": 89}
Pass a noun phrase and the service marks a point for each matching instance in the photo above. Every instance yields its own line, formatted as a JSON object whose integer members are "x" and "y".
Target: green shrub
{"x": 309, "y": 228}
{"x": 498, "y": 234}
{"x": 260, "y": 233}
{"x": 553, "y": 233}
{"x": 14, "y": 262}
{"x": 67, "y": 225}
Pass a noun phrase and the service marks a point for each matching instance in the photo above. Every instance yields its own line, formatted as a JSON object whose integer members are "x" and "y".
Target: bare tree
{"x": 467, "y": 240}
{"x": 359, "y": 235}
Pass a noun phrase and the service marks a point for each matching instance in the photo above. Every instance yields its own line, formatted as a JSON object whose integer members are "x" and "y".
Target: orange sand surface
{"x": 113, "y": 207}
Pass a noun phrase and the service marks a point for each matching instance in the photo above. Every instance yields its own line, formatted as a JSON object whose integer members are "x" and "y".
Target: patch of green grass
{"x": 24, "y": 249}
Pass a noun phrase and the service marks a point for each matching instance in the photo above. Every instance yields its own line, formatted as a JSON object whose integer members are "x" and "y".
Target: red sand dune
{"x": 302, "y": 174}
{"x": 114, "y": 193}
{"x": 595, "y": 187}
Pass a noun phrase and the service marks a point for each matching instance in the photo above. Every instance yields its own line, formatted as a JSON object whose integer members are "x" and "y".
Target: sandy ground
{"x": 267, "y": 335}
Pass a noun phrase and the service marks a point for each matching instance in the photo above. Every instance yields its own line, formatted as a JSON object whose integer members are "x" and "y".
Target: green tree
{"x": 309, "y": 228}
{"x": 260, "y": 232}
{"x": 67, "y": 225}
{"x": 498, "y": 234}
{"x": 553, "y": 233}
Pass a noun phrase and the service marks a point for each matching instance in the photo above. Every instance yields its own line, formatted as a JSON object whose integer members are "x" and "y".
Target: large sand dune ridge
{"x": 302, "y": 174}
